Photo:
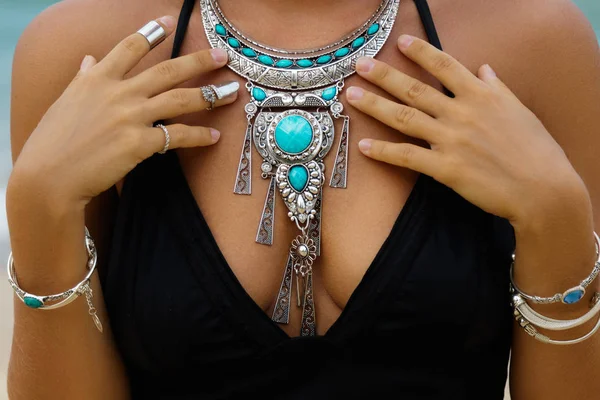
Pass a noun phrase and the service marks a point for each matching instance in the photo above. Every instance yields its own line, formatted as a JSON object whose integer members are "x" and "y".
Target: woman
{"x": 411, "y": 290}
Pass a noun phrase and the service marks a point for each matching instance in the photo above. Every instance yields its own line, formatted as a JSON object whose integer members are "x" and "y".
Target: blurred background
{"x": 16, "y": 15}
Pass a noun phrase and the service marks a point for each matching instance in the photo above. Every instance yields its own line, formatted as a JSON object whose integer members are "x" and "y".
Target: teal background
{"x": 16, "y": 14}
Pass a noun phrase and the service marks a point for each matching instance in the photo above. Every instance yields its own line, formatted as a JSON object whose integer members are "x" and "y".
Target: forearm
{"x": 57, "y": 353}
{"x": 555, "y": 251}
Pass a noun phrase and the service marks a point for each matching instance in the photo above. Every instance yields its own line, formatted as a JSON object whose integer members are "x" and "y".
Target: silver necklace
{"x": 294, "y": 99}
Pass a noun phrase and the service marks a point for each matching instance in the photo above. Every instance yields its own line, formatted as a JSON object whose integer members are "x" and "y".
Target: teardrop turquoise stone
{"x": 265, "y": 59}
{"x": 32, "y": 302}
{"x": 304, "y": 63}
{"x": 284, "y": 63}
{"x": 248, "y": 52}
{"x": 258, "y": 94}
{"x": 298, "y": 177}
{"x": 220, "y": 29}
{"x": 342, "y": 52}
{"x": 324, "y": 59}
{"x": 293, "y": 134}
{"x": 329, "y": 93}
{"x": 233, "y": 42}
{"x": 358, "y": 42}
{"x": 373, "y": 29}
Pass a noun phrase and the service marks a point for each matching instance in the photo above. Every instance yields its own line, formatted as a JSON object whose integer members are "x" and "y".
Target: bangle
{"x": 570, "y": 296}
{"x": 531, "y": 331}
{"x": 54, "y": 301}
{"x": 544, "y": 322}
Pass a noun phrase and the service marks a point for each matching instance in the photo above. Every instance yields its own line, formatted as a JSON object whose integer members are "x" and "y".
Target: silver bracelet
{"x": 54, "y": 301}
{"x": 570, "y": 296}
{"x": 541, "y": 321}
{"x": 529, "y": 328}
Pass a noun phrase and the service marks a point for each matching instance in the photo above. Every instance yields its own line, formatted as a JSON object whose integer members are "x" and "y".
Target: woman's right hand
{"x": 102, "y": 125}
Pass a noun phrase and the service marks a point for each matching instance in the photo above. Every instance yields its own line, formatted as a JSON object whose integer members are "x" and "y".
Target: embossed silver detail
{"x": 265, "y": 227}
{"x": 316, "y": 76}
{"x": 309, "y": 318}
{"x": 294, "y": 200}
{"x": 339, "y": 176}
{"x": 281, "y": 312}
{"x": 243, "y": 179}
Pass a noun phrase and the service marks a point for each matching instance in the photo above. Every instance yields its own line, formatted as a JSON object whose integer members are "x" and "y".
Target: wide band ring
{"x": 154, "y": 33}
{"x": 167, "y": 138}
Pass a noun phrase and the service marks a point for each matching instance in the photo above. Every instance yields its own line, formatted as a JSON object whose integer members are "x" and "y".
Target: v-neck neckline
{"x": 203, "y": 247}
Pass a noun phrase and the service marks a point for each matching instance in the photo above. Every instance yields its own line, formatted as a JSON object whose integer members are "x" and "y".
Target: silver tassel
{"x": 243, "y": 180}
{"x": 339, "y": 174}
{"x": 281, "y": 312}
{"x": 309, "y": 322}
{"x": 264, "y": 235}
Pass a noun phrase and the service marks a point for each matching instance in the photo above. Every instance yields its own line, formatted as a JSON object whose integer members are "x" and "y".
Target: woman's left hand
{"x": 484, "y": 143}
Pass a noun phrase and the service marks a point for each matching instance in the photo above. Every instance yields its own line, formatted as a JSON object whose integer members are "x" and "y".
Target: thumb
{"x": 488, "y": 75}
{"x": 87, "y": 63}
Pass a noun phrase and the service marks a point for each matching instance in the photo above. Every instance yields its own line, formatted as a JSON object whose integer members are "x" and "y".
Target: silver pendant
{"x": 267, "y": 220}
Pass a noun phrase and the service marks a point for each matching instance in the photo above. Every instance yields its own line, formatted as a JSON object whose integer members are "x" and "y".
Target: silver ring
{"x": 154, "y": 33}
{"x": 167, "y": 138}
{"x": 210, "y": 96}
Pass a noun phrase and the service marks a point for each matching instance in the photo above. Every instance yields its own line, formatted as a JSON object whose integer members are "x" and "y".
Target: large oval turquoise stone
{"x": 293, "y": 134}
{"x": 373, "y": 29}
{"x": 32, "y": 302}
{"x": 220, "y": 29}
{"x": 358, "y": 42}
{"x": 233, "y": 42}
{"x": 265, "y": 59}
{"x": 342, "y": 52}
{"x": 574, "y": 296}
{"x": 284, "y": 63}
{"x": 258, "y": 94}
{"x": 304, "y": 63}
{"x": 329, "y": 93}
{"x": 298, "y": 177}
{"x": 324, "y": 59}
{"x": 248, "y": 52}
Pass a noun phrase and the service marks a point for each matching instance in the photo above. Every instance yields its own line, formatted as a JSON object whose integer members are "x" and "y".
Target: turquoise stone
{"x": 284, "y": 63}
{"x": 265, "y": 59}
{"x": 32, "y": 302}
{"x": 329, "y": 93}
{"x": 293, "y": 134}
{"x": 258, "y": 94}
{"x": 373, "y": 29}
{"x": 220, "y": 29}
{"x": 324, "y": 59}
{"x": 298, "y": 177}
{"x": 304, "y": 63}
{"x": 342, "y": 52}
{"x": 233, "y": 42}
{"x": 358, "y": 42}
{"x": 574, "y": 296}
{"x": 248, "y": 52}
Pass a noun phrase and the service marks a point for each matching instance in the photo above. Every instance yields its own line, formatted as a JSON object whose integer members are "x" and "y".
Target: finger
{"x": 488, "y": 75}
{"x": 452, "y": 74}
{"x": 87, "y": 63}
{"x": 178, "y": 102}
{"x": 168, "y": 74}
{"x": 405, "y": 155}
{"x": 406, "y": 119}
{"x": 409, "y": 90}
{"x": 128, "y": 53}
{"x": 180, "y": 136}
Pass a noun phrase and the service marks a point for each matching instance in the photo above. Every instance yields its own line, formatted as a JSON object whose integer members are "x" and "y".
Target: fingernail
{"x": 365, "y": 145}
{"x": 354, "y": 93}
{"x": 489, "y": 71}
{"x": 86, "y": 62}
{"x": 404, "y": 41}
{"x": 168, "y": 22}
{"x": 365, "y": 64}
{"x": 215, "y": 135}
{"x": 219, "y": 55}
{"x": 226, "y": 89}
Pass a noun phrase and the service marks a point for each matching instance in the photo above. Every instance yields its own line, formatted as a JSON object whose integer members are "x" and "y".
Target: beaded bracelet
{"x": 54, "y": 301}
{"x": 570, "y": 296}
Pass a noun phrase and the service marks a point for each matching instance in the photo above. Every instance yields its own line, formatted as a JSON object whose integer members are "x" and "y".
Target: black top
{"x": 429, "y": 320}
